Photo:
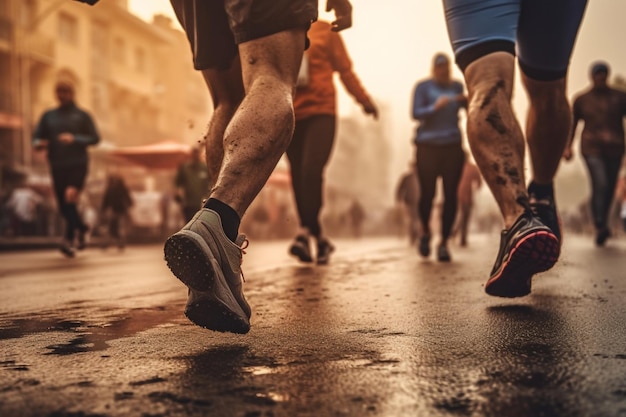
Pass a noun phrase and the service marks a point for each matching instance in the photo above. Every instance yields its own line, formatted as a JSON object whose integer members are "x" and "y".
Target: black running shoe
{"x": 300, "y": 249}
{"x": 67, "y": 249}
{"x": 82, "y": 238}
{"x": 443, "y": 254}
{"x": 545, "y": 210}
{"x": 424, "y": 246}
{"x": 602, "y": 235}
{"x": 527, "y": 248}
{"x": 324, "y": 249}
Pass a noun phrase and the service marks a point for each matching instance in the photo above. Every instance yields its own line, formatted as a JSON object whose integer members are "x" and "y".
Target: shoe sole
{"x": 300, "y": 254}
{"x": 537, "y": 252}
{"x": 189, "y": 258}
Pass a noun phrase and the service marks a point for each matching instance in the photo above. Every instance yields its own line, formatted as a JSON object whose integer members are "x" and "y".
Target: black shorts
{"x": 215, "y": 27}
{"x": 71, "y": 176}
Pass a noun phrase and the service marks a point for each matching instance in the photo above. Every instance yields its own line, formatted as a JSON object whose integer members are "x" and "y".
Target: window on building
{"x": 140, "y": 59}
{"x": 119, "y": 51}
{"x": 27, "y": 12}
{"x": 68, "y": 28}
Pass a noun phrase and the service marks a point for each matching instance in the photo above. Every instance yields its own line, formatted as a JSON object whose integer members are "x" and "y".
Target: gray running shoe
{"x": 209, "y": 263}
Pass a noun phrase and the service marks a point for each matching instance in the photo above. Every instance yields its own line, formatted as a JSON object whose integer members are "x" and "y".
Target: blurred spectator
{"x": 23, "y": 204}
{"x": 116, "y": 204}
{"x": 65, "y": 133}
{"x": 192, "y": 182}
{"x": 356, "y": 215}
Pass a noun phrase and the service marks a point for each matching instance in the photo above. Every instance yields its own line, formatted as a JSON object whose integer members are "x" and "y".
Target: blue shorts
{"x": 542, "y": 32}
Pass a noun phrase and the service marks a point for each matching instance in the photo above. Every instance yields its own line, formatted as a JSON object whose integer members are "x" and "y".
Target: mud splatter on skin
{"x": 495, "y": 166}
{"x": 500, "y": 180}
{"x": 512, "y": 173}
{"x": 492, "y": 93}
{"x": 495, "y": 120}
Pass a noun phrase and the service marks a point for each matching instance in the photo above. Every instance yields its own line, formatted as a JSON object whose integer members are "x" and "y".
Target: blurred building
{"x": 136, "y": 78}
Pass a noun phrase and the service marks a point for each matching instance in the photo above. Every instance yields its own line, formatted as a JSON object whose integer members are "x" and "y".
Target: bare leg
{"x": 261, "y": 128}
{"x": 494, "y": 134}
{"x": 547, "y": 127}
{"x": 226, "y": 88}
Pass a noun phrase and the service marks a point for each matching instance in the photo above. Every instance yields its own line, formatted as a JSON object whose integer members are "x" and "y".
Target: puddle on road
{"x": 90, "y": 336}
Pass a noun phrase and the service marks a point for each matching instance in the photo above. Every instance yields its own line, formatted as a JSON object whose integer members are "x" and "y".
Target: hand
{"x": 343, "y": 13}
{"x": 66, "y": 138}
{"x": 442, "y": 102}
{"x": 370, "y": 108}
{"x": 568, "y": 154}
{"x": 40, "y": 144}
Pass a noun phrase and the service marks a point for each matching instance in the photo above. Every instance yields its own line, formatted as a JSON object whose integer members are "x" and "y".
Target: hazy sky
{"x": 392, "y": 43}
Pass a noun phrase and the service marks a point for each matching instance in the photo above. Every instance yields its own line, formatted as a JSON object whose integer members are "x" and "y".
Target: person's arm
{"x": 41, "y": 135}
{"x": 461, "y": 98}
{"x": 343, "y": 14}
{"x": 88, "y": 134}
{"x": 340, "y": 61}
{"x": 422, "y": 109}
{"x": 568, "y": 153}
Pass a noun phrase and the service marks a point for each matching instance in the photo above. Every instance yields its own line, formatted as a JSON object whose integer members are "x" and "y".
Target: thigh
{"x": 295, "y": 151}
{"x": 597, "y": 171}
{"x": 546, "y": 34}
{"x": 318, "y": 142}
{"x": 452, "y": 162}
{"x": 427, "y": 170}
{"x": 479, "y": 27}
{"x": 254, "y": 19}
{"x": 206, "y": 25}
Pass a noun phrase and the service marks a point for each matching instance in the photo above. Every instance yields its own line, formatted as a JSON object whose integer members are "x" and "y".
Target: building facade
{"x": 134, "y": 77}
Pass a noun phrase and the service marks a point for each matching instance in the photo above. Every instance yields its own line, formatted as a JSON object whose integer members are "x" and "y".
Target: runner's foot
{"x": 209, "y": 263}
{"x": 527, "y": 248}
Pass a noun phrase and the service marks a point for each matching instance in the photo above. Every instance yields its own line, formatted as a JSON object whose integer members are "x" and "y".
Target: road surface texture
{"x": 379, "y": 332}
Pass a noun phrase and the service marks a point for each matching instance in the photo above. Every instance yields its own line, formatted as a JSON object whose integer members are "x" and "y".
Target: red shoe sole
{"x": 534, "y": 253}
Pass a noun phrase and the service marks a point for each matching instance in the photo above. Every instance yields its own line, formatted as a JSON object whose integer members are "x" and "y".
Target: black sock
{"x": 230, "y": 218}
{"x": 541, "y": 191}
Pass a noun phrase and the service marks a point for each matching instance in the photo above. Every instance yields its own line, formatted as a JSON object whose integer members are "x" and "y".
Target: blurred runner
{"x": 116, "y": 204}
{"x": 407, "y": 195}
{"x": 602, "y": 110}
{"x": 486, "y": 36}
{"x": 470, "y": 182}
{"x": 314, "y": 134}
{"x": 436, "y": 105}
{"x": 66, "y": 132}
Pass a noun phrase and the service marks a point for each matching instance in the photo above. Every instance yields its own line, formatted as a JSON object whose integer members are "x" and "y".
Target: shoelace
{"x": 242, "y": 248}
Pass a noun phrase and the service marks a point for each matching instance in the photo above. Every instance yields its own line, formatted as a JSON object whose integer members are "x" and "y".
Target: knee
{"x": 546, "y": 95}
{"x": 71, "y": 195}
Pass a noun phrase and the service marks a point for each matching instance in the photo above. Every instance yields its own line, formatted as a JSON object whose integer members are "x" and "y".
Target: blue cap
{"x": 598, "y": 67}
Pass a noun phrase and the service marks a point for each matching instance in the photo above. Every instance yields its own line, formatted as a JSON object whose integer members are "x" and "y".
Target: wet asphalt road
{"x": 379, "y": 332}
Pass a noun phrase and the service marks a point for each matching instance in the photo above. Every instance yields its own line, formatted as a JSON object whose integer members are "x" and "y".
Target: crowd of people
{"x": 277, "y": 52}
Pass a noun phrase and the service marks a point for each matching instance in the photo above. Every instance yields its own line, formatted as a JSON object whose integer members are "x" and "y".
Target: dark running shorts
{"x": 544, "y": 32}
{"x": 215, "y": 27}
{"x": 70, "y": 176}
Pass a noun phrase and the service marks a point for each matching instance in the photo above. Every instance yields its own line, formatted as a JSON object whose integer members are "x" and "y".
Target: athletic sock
{"x": 541, "y": 191}
{"x": 230, "y": 218}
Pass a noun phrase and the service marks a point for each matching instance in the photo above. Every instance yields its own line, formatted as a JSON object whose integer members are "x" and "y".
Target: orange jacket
{"x": 326, "y": 54}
